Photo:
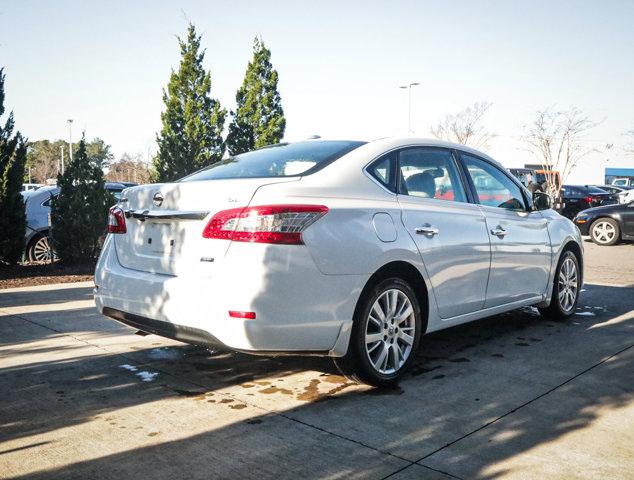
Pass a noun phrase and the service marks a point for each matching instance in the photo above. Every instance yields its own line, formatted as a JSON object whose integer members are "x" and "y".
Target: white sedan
{"x": 341, "y": 248}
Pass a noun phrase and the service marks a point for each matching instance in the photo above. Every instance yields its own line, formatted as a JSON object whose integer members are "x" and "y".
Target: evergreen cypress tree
{"x": 259, "y": 118}
{"x": 80, "y": 212}
{"x": 12, "y": 161}
{"x": 191, "y": 136}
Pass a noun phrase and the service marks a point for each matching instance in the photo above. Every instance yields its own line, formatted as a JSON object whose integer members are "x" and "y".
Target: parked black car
{"x": 608, "y": 224}
{"x": 579, "y": 197}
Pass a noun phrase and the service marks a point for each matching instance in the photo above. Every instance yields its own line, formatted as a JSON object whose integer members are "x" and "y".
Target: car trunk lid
{"x": 164, "y": 224}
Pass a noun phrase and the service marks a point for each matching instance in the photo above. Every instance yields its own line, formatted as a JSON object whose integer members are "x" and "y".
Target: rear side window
{"x": 430, "y": 173}
{"x": 283, "y": 160}
{"x": 384, "y": 171}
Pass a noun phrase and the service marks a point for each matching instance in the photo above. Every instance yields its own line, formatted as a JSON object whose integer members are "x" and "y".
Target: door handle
{"x": 427, "y": 229}
{"x": 498, "y": 232}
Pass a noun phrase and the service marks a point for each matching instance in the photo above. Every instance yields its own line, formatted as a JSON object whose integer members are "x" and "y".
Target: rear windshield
{"x": 283, "y": 160}
{"x": 595, "y": 190}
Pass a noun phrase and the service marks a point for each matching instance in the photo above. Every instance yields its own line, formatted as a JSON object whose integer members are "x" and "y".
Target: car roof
{"x": 390, "y": 143}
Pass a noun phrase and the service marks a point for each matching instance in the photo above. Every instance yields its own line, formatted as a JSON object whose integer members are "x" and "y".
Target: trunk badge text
{"x": 157, "y": 199}
{"x": 206, "y": 259}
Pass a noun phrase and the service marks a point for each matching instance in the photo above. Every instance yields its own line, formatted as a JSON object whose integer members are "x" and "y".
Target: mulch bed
{"x": 30, "y": 274}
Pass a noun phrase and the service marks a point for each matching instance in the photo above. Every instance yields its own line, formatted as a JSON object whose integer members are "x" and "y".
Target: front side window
{"x": 283, "y": 160}
{"x": 493, "y": 187}
{"x": 430, "y": 173}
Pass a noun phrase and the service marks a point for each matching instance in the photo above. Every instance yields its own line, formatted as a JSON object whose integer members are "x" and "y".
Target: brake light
{"x": 245, "y": 315}
{"x": 588, "y": 199}
{"x": 116, "y": 220}
{"x": 282, "y": 224}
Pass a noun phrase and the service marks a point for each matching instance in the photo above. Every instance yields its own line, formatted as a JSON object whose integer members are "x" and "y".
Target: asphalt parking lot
{"x": 513, "y": 396}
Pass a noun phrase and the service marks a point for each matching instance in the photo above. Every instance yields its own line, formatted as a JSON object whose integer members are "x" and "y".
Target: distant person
{"x": 534, "y": 187}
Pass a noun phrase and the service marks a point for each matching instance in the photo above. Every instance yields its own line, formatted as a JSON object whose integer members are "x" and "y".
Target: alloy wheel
{"x": 603, "y": 232}
{"x": 42, "y": 251}
{"x": 568, "y": 285}
{"x": 390, "y": 331}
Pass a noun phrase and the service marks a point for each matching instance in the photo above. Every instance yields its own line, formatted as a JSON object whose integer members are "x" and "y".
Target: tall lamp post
{"x": 70, "y": 141}
{"x": 409, "y": 105}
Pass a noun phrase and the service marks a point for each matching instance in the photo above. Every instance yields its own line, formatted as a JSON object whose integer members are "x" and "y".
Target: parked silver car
{"x": 38, "y": 209}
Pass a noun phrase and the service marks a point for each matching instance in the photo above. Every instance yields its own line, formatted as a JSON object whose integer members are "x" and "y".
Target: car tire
{"x": 39, "y": 249}
{"x": 566, "y": 288}
{"x": 605, "y": 232}
{"x": 381, "y": 345}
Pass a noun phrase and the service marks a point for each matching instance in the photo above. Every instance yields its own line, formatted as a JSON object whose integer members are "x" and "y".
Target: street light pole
{"x": 70, "y": 141}
{"x": 409, "y": 105}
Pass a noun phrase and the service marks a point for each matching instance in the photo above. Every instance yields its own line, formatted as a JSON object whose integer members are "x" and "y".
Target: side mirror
{"x": 542, "y": 201}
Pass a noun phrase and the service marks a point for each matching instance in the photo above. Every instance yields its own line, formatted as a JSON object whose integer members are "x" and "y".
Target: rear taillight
{"x": 116, "y": 220}
{"x": 588, "y": 199}
{"x": 264, "y": 224}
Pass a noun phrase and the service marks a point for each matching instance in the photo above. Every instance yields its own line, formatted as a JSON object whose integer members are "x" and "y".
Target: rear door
{"x": 450, "y": 233}
{"x": 520, "y": 243}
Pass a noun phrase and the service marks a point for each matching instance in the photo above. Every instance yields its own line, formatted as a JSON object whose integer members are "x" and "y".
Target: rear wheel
{"x": 40, "y": 250}
{"x": 566, "y": 287}
{"x": 605, "y": 231}
{"x": 385, "y": 334}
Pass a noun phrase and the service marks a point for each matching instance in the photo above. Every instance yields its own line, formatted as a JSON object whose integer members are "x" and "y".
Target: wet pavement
{"x": 513, "y": 396}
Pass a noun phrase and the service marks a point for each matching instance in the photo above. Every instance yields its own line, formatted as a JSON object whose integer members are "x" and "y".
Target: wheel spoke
{"x": 393, "y": 296}
{"x": 406, "y": 338}
{"x": 405, "y": 315}
{"x": 374, "y": 347}
{"x": 378, "y": 310}
{"x": 378, "y": 363}
{"x": 394, "y": 357}
{"x": 373, "y": 337}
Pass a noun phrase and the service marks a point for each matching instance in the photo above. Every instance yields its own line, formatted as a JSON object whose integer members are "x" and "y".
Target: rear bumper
{"x": 195, "y": 336}
{"x": 298, "y": 309}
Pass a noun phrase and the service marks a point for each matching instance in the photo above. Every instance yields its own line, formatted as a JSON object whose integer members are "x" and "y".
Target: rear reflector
{"x": 116, "y": 220}
{"x": 247, "y": 315}
{"x": 282, "y": 224}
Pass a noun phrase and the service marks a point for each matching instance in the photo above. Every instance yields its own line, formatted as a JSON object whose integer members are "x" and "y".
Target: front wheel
{"x": 385, "y": 334}
{"x": 566, "y": 288}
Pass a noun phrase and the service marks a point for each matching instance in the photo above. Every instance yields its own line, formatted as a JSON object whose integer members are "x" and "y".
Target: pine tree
{"x": 80, "y": 212}
{"x": 12, "y": 161}
{"x": 259, "y": 118}
{"x": 191, "y": 136}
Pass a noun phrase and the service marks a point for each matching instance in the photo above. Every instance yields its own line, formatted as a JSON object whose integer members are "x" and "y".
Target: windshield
{"x": 283, "y": 160}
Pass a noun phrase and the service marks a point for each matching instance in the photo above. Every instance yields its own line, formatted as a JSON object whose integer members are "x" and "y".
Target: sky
{"x": 104, "y": 64}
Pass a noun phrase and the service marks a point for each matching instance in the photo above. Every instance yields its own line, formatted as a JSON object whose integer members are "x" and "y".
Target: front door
{"x": 520, "y": 244}
{"x": 627, "y": 216}
{"x": 450, "y": 234}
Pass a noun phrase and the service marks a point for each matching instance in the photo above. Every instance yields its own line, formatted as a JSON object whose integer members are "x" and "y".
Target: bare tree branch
{"x": 465, "y": 127}
{"x": 629, "y": 148}
{"x": 129, "y": 168}
{"x": 557, "y": 139}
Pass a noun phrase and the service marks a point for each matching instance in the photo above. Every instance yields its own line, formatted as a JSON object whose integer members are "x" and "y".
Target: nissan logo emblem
{"x": 157, "y": 199}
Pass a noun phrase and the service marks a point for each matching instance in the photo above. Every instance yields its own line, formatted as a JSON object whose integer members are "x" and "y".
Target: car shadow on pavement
{"x": 478, "y": 396}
